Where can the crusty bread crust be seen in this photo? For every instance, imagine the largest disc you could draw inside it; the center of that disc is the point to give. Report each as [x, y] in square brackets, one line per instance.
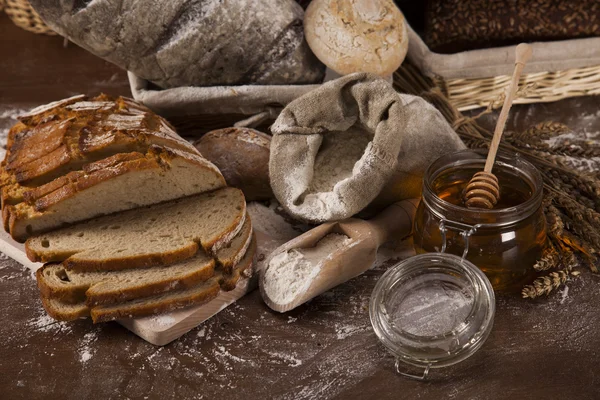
[243, 269]
[226, 262]
[71, 295]
[57, 310]
[81, 130]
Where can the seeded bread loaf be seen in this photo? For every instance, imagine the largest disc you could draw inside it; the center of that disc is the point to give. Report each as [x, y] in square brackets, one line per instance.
[242, 156]
[161, 234]
[193, 296]
[78, 158]
[175, 43]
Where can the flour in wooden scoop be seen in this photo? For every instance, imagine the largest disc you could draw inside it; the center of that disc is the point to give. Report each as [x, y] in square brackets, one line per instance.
[290, 274]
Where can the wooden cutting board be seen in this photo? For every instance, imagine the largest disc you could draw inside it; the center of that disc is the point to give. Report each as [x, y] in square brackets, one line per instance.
[271, 230]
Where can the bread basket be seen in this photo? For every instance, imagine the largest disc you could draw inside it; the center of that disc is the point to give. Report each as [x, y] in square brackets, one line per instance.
[473, 79]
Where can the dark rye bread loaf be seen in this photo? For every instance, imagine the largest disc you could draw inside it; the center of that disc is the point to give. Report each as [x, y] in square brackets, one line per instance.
[175, 43]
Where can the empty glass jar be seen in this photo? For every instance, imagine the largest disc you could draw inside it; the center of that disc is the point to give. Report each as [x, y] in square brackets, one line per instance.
[432, 311]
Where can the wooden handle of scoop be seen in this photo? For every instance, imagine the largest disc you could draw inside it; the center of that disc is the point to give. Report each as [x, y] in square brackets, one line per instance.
[523, 54]
[396, 221]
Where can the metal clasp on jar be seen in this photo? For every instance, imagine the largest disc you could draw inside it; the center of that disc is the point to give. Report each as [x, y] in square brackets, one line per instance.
[465, 230]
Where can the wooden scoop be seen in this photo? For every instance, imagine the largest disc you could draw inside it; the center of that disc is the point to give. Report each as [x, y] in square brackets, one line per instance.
[483, 190]
[344, 263]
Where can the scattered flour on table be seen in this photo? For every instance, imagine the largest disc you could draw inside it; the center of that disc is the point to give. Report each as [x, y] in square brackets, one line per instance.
[291, 361]
[223, 352]
[44, 323]
[291, 273]
[86, 351]
[344, 331]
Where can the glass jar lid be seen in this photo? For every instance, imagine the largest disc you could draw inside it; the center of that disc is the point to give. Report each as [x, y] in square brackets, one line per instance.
[432, 310]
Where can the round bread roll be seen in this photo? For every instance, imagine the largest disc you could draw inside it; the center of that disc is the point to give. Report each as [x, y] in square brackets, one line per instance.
[357, 35]
[242, 155]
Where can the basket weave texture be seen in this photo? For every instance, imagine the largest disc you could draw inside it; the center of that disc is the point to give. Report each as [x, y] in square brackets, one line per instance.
[466, 94]
[24, 16]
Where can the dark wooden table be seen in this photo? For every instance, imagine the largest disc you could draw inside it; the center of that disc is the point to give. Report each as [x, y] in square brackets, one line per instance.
[547, 349]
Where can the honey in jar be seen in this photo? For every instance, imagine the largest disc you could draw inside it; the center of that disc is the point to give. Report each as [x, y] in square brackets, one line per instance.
[504, 242]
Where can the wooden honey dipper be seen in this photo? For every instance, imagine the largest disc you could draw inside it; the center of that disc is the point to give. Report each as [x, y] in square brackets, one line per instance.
[483, 190]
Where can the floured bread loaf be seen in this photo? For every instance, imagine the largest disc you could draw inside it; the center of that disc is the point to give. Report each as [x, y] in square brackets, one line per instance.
[161, 234]
[175, 43]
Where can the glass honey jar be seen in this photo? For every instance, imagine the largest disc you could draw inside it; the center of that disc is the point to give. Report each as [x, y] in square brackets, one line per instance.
[504, 242]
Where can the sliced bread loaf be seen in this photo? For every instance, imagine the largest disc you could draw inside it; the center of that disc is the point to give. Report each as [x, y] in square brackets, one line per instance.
[52, 140]
[161, 234]
[105, 287]
[120, 182]
[193, 296]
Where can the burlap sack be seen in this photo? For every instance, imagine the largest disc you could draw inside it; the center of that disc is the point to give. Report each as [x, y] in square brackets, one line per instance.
[335, 148]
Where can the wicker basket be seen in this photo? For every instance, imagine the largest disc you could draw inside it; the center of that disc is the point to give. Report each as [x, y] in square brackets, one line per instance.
[473, 79]
[24, 16]
[466, 94]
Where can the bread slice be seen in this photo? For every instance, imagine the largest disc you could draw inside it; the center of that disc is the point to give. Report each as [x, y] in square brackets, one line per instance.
[113, 286]
[62, 311]
[120, 182]
[106, 287]
[231, 254]
[161, 234]
[194, 296]
[242, 270]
